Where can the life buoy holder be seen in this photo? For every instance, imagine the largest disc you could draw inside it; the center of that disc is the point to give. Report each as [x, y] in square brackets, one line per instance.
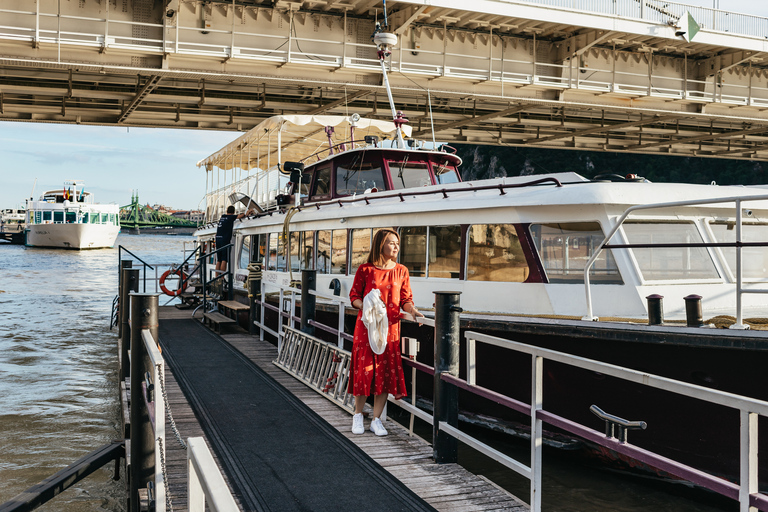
[170, 272]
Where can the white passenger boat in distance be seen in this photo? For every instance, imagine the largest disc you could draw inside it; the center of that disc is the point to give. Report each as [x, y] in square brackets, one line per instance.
[68, 218]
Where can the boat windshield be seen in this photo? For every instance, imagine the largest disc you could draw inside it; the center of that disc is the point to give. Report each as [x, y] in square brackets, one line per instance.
[356, 179]
[409, 174]
[445, 174]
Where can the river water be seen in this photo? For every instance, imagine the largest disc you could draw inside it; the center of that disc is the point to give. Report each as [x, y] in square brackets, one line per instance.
[59, 392]
[58, 365]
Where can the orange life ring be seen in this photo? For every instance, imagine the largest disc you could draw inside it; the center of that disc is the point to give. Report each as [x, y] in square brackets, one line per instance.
[182, 277]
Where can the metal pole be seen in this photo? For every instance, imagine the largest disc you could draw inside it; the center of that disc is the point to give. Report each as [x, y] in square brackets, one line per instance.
[254, 294]
[143, 316]
[446, 396]
[130, 284]
[308, 300]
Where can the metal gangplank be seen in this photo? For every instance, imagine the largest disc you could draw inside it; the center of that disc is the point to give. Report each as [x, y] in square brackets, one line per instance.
[641, 76]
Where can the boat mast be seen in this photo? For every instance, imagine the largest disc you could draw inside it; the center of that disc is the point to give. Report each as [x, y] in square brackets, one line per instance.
[385, 41]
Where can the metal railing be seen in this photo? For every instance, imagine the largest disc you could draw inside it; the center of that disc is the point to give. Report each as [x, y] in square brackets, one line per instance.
[174, 38]
[205, 486]
[749, 409]
[738, 244]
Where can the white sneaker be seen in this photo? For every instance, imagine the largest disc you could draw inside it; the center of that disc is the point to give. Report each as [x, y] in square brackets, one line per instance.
[377, 428]
[357, 424]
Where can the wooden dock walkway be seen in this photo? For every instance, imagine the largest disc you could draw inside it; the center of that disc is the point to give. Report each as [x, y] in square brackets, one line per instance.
[446, 487]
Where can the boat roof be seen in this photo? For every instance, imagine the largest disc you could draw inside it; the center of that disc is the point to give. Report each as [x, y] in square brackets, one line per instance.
[298, 136]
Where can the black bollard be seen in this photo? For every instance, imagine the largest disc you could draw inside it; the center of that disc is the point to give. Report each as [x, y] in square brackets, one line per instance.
[123, 265]
[446, 396]
[693, 314]
[655, 309]
[143, 316]
[308, 300]
[254, 294]
[130, 283]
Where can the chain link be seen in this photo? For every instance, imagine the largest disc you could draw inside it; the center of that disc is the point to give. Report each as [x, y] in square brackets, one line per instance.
[168, 503]
[168, 413]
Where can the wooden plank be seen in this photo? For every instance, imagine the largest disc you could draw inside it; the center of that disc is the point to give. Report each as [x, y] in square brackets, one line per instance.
[234, 305]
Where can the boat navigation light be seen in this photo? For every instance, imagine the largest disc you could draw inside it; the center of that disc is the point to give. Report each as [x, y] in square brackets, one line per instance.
[353, 119]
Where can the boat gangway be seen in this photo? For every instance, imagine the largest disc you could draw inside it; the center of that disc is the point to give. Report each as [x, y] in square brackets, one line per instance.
[216, 372]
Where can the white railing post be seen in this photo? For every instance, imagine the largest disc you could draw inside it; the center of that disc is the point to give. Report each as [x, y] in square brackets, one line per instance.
[537, 399]
[342, 312]
[747, 460]
[471, 363]
[739, 272]
[158, 377]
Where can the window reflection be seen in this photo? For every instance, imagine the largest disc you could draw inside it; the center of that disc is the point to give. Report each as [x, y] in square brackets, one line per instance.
[754, 260]
[495, 254]
[565, 248]
[444, 251]
[407, 175]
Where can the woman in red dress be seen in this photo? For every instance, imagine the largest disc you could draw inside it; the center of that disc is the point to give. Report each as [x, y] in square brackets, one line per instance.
[384, 371]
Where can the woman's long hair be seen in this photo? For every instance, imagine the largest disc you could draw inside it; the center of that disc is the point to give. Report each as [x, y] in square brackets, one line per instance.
[374, 257]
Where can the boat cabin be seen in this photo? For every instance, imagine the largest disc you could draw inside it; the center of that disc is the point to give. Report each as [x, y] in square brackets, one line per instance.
[368, 170]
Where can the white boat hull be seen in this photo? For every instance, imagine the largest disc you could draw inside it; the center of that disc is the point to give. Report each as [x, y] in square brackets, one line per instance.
[72, 236]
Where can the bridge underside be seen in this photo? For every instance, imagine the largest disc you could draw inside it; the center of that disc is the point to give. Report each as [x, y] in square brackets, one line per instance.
[511, 74]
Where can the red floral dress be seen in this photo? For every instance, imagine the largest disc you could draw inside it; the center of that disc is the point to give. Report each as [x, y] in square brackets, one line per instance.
[386, 370]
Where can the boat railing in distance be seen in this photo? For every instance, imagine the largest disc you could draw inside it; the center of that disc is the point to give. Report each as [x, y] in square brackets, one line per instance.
[205, 482]
[307, 358]
[739, 244]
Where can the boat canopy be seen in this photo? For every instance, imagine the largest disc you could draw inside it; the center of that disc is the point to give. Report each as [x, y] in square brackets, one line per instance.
[292, 138]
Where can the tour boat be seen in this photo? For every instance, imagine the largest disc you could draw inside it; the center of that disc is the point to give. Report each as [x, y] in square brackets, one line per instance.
[68, 218]
[537, 259]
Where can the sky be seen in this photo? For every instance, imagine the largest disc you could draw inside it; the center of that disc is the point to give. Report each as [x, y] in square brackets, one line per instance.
[158, 162]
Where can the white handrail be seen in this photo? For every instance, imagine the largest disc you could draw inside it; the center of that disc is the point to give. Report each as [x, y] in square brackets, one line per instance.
[734, 199]
[158, 369]
[203, 485]
[749, 408]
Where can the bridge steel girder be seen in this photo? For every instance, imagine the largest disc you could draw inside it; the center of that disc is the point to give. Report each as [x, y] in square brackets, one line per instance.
[556, 69]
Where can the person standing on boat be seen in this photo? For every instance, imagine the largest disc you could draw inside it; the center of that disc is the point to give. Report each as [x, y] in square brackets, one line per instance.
[224, 236]
[382, 373]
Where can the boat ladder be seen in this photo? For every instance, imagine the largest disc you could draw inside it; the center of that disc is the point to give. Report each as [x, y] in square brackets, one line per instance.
[322, 366]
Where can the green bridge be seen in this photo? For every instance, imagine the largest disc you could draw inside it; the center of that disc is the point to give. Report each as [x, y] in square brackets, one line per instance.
[137, 216]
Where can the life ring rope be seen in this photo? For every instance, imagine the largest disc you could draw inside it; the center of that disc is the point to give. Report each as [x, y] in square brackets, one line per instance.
[182, 279]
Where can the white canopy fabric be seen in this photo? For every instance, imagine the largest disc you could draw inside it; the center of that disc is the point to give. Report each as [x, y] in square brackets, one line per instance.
[292, 138]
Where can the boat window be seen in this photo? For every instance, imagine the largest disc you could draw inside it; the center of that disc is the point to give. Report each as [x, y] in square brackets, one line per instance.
[565, 248]
[94, 218]
[444, 251]
[245, 253]
[258, 248]
[273, 248]
[324, 252]
[104, 218]
[295, 250]
[754, 260]
[322, 182]
[46, 216]
[360, 248]
[359, 178]
[112, 218]
[307, 250]
[495, 254]
[413, 250]
[445, 174]
[71, 217]
[670, 262]
[339, 251]
[58, 217]
[409, 174]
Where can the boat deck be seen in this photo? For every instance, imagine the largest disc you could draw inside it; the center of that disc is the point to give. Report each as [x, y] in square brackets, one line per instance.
[417, 482]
